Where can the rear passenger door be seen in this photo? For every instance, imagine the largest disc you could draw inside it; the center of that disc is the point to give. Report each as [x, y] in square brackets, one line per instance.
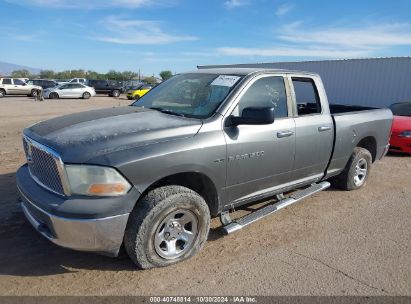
[260, 158]
[20, 87]
[314, 129]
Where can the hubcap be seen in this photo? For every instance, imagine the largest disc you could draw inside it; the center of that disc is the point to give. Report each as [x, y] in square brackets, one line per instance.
[176, 233]
[360, 172]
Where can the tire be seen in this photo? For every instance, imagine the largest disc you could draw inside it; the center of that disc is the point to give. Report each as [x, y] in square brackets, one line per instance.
[162, 218]
[137, 97]
[54, 95]
[356, 172]
[34, 93]
[86, 95]
[2, 93]
[115, 93]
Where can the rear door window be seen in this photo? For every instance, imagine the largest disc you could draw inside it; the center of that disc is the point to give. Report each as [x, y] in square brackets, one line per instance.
[306, 94]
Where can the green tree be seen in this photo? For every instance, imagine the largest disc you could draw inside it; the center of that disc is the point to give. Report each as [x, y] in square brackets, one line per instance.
[21, 74]
[150, 80]
[114, 75]
[129, 75]
[166, 74]
[47, 74]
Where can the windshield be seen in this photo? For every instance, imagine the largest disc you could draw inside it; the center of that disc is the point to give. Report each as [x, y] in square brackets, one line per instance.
[401, 109]
[192, 95]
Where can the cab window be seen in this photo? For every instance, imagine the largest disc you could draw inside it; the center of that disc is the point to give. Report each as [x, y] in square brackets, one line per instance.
[306, 94]
[265, 92]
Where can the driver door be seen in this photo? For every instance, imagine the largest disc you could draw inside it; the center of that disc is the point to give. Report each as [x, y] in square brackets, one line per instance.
[260, 158]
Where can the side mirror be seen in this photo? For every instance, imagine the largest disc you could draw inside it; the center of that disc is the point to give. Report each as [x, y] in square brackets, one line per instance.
[254, 116]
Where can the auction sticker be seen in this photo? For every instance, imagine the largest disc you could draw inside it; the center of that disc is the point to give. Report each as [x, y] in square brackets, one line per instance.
[225, 80]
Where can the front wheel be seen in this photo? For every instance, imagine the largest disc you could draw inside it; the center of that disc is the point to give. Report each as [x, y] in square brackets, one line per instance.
[356, 171]
[54, 95]
[169, 224]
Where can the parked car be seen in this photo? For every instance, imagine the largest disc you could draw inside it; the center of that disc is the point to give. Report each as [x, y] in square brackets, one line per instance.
[61, 81]
[44, 83]
[15, 86]
[78, 80]
[110, 87]
[401, 128]
[69, 90]
[138, 91]
[198, 145]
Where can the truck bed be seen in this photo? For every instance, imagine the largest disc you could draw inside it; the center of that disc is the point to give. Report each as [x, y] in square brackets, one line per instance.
[341, 109]
[358, 126]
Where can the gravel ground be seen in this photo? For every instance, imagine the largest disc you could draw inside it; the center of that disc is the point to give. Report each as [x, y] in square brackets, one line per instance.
[334, 243]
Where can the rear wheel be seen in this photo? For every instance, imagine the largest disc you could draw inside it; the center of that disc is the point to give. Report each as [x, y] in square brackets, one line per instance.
[169, 224]
[54, 95]
[86, 95]
[2, 93]
[34, 93]
[115, 93]
[356, 171]
[137, 97]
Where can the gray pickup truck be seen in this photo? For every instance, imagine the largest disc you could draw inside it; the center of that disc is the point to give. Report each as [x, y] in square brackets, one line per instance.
[152, 174]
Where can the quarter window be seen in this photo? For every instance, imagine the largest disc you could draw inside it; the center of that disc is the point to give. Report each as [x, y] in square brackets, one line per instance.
[6, 81]
[265, 92]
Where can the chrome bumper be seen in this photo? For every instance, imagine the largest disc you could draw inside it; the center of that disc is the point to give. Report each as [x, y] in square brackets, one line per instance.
[102, 235]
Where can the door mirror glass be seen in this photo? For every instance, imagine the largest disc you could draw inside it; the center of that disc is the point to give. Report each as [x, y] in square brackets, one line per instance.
[254, 116]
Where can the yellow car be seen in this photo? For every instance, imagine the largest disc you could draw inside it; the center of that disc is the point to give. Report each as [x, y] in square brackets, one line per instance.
[138, 91]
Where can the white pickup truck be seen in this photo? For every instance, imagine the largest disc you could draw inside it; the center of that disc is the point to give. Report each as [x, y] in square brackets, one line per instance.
[15, 86]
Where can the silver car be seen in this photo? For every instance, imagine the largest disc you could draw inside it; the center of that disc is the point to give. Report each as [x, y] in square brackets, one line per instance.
[70, 90]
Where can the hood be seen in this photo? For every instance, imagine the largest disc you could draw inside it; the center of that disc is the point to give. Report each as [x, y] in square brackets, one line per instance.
[82, 136]
[401, 123]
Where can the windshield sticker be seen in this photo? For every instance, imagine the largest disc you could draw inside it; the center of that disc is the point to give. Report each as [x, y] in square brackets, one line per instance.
[225, 80]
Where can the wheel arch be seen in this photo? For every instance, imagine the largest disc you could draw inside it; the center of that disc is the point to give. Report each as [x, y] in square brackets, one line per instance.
[195, 181]
[369, 143]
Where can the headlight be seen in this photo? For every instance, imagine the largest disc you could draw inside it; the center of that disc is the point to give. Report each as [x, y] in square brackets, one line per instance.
[96, 181]
[406, 133]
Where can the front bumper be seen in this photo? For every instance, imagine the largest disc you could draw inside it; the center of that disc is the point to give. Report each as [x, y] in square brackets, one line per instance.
[400, 144]
[80, 223]
[103, 235]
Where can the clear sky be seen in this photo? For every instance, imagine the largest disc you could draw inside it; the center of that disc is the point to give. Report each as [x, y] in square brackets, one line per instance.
[180, 34]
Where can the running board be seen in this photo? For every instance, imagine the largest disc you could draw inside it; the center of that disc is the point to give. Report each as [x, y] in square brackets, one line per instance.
[270, 209]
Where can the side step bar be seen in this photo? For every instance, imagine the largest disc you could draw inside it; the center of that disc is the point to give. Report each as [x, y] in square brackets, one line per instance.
[270, 209]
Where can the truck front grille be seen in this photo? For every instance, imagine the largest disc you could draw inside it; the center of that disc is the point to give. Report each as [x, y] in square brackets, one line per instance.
[45, 166]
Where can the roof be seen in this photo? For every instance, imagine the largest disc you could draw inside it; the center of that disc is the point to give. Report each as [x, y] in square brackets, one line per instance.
[245, 71]
[306, 61]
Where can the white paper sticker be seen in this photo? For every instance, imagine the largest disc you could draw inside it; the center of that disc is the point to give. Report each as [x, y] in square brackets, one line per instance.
[225, 80]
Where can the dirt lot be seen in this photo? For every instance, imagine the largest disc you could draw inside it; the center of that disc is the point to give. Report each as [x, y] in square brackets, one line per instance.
[335, 243]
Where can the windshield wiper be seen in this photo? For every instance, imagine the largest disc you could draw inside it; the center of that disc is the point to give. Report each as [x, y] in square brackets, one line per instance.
[167, 111]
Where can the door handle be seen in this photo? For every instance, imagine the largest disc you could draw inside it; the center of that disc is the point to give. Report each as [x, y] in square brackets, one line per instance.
[282, 134]
[324, 128]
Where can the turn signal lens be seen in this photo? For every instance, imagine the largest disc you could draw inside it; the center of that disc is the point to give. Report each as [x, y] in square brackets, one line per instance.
[106, 189]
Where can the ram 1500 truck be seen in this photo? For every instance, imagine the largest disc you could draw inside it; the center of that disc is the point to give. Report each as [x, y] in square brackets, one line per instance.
[151, 175]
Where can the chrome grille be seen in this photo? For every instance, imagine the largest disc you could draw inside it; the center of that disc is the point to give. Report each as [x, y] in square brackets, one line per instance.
[44, 165]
